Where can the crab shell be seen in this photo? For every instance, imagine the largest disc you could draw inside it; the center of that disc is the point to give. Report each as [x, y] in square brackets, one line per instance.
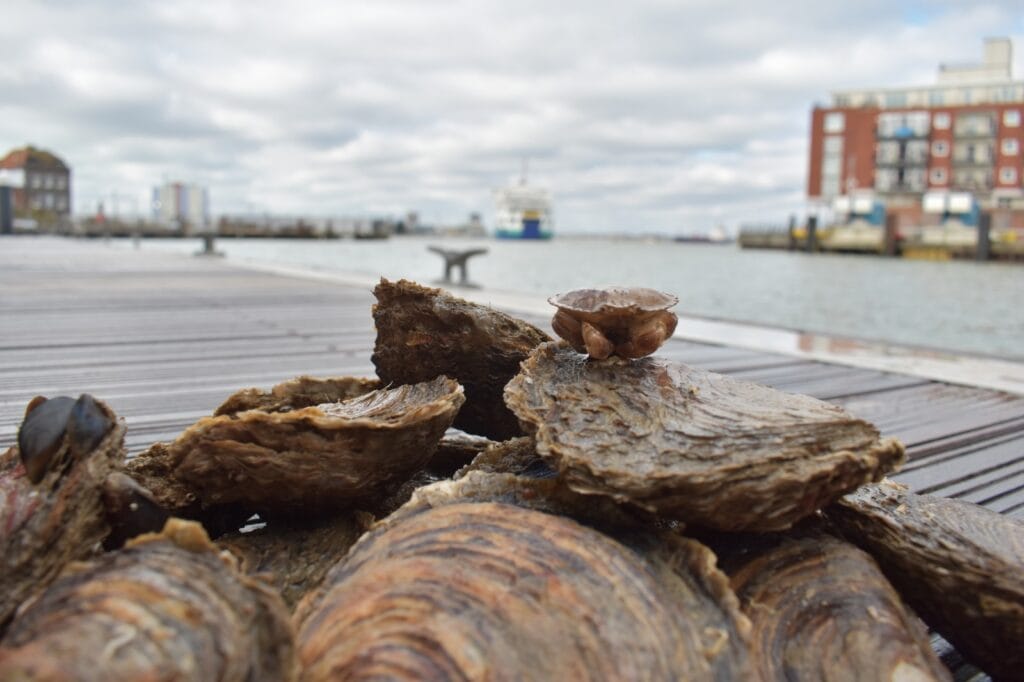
[628, 322]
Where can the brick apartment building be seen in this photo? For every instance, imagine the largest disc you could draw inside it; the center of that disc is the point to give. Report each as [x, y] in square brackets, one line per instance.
[963, 134]
[45, 185]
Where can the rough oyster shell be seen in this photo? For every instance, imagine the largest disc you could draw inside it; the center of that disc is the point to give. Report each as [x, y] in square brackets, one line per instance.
[167, 606]
[312, 460]
[690, 444]
[424, 332]
[821, 609]
[297, 393]
[44, 526]
[495, 591]
[960, 566]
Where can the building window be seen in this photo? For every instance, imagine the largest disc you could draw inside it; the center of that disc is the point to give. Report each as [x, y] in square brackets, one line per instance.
[896, 99]
[37, 181]
[940, 148]
[938, 176]
[1008, 175]
[835, 122]
[834, 144]
[1011, 118]
[1010, 146]
[62, 204]
[903, 124]
[975, 124]
[887, 151]
[941, 121]
[62, 182]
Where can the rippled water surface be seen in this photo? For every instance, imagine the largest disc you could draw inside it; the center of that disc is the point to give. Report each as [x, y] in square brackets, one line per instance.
[962, 306]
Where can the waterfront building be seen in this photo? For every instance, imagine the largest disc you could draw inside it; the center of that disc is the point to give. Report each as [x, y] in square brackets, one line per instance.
[40, 184]
[182, 206]
[965, 133]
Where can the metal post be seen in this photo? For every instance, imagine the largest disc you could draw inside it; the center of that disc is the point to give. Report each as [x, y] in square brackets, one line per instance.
[812, 234]
[6, 210]
[890, 246]
[984, 251]
[791, 244]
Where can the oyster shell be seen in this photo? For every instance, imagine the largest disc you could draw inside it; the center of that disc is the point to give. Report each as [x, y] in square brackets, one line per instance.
[294, 557]
[456, 450]
[960, 566]
[424, 332]
[690, 444]
[629, 322]
[516, 456]
[167, 606]
[315, 459]
[821, 609]
[495, 591]
[297, 393]
[71, 446]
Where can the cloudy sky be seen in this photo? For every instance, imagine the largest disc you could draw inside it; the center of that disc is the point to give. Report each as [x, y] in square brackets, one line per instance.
[649, 115]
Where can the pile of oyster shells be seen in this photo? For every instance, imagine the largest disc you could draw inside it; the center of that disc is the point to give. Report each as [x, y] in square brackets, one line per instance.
[601, 514]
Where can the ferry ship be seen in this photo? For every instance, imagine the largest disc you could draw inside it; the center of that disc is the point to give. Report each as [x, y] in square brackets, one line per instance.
[522, 212]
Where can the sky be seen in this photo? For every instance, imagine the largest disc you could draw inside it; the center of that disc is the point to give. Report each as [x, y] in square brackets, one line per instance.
[641, 116]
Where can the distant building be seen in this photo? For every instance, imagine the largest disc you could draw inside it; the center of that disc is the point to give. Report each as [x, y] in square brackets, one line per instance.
[963, 133]
[187, 207]
[41, 183]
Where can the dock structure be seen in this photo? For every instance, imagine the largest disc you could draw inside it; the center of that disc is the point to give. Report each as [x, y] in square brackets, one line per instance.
[165, 338]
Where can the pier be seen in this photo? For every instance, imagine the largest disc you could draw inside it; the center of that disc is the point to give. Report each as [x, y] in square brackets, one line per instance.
[165, 338]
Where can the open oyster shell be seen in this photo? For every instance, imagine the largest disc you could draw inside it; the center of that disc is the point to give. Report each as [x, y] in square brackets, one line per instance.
[690, 444]
[168, 606]
[959, 565]
[72, 446]
[424, 332]
[294, 394]
[306, 461]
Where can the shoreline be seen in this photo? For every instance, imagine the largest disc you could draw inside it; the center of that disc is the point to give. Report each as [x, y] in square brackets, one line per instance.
[937, 365]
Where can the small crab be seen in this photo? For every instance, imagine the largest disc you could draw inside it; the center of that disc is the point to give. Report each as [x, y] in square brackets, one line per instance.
[628, 322]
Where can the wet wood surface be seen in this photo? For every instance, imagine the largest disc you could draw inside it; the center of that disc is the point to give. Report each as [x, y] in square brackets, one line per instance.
[164, 339]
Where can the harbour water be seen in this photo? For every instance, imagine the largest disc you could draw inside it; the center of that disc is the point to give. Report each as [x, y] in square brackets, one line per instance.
[966, 307]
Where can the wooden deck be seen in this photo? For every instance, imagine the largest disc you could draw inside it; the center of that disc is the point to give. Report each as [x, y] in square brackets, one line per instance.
[164, 339]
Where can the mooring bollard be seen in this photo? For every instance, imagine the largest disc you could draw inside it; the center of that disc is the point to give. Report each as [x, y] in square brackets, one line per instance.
[208, 247]
[456, 259]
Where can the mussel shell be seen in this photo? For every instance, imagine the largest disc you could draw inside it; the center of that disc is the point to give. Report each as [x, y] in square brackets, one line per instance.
[60, 518]
[87, 425]
[495, 591]
[693, 445]
[42, 434]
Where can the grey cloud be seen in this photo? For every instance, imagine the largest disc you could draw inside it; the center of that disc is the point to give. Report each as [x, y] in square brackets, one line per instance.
[656, 115]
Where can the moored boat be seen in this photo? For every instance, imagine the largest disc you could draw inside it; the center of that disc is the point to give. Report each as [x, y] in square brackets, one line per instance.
[522, 212]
